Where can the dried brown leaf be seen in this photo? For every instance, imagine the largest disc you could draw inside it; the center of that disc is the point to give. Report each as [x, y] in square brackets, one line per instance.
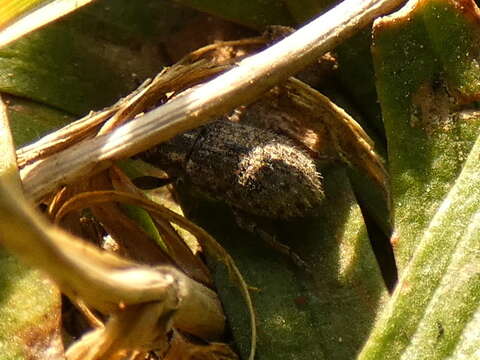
[208, 243]
[177, 249]
[182, 348]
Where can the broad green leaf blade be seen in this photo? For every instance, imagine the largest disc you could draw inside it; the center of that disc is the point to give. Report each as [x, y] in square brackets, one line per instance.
[324, 314]
[89, 59]
[468, 345]
[426, 63]
[30, 310]
[346, 279]
[426, 89]
[30, 121]
[438, 295]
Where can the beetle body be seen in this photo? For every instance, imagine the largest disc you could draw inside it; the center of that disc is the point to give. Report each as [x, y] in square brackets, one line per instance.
[251, 169]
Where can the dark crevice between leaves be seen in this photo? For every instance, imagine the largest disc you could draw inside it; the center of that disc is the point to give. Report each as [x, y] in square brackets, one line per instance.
[382, 248]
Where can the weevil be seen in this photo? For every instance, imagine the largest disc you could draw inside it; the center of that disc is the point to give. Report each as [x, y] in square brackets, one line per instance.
[261, 159]
[253, 170]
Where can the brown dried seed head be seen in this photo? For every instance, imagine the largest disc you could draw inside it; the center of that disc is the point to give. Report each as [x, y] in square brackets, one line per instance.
[251, 169]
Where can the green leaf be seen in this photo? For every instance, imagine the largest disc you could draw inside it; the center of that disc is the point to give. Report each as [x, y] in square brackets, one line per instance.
[302, 315]
[30, 121]
[427, 74]
[426, 85]
[29, 312]
[88, 59]
[429, 315]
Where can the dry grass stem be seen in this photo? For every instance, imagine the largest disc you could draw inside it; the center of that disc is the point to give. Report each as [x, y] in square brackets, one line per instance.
[71, 133]
[241, 85]
[142, 327]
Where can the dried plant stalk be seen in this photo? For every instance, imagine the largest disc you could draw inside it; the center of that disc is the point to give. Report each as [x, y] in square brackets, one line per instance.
[208, 243]
[102, 280]
[241, 85]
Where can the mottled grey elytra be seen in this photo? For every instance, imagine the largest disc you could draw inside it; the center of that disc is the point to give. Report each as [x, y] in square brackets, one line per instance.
[251, 169]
